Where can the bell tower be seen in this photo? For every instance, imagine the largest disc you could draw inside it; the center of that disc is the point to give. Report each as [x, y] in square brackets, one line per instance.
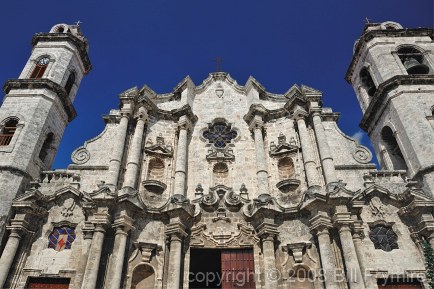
[37, 107]
[392, 73]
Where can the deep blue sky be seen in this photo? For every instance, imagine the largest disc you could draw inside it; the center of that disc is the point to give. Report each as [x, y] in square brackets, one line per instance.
[159, 42]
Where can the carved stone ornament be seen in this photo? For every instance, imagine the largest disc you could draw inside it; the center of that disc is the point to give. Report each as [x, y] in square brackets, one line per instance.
[68, 208]
[221, 194]
[220, 155]
[282, 146]
[362, 155]
[298, 250]
[377, 208]
[223, 234]
[219, 91]
[80, 156]
[160, 148]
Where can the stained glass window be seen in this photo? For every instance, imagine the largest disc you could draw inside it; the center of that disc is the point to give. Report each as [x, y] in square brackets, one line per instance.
[219, 135]
[61, 238]
[383, 238]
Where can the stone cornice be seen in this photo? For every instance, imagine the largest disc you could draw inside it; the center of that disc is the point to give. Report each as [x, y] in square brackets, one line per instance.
[369, 35]
[381, 98]
[43, 83]
[81, 45]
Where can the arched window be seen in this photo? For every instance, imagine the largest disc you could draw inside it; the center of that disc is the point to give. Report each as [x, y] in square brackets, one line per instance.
[367, 81]
[156, 170]
[70, 82]
[413, 60]
[8, 132]
[392, 149]
[40, 68]
[285, 167]
[220, 173]
[46, 146]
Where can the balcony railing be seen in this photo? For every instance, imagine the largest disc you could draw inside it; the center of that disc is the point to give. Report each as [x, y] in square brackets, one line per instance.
[5, 139]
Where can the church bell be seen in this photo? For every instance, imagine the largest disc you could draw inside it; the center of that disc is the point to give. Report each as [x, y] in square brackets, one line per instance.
[415, 67]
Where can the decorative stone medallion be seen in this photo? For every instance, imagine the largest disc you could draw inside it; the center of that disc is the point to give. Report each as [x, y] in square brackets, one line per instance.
[362, 155]
[80, 156]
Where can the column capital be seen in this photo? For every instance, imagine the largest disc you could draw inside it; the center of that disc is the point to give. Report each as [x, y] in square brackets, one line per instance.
[316, 112]
[20, 225]
[256, 123]
[175, 231]
[101, 219]
[299, 114]
[142, 114]
[123, 224]
[342, 220]
[358, 231]
[267, 231]
[320, 224]
[185, 123]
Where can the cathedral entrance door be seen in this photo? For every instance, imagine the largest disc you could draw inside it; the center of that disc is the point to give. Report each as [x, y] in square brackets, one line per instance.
[48, 283]
[221, 269]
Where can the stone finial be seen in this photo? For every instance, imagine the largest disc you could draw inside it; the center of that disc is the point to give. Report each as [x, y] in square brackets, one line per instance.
[199, 191]
[243, 192]
[281, 139]
[160, 139]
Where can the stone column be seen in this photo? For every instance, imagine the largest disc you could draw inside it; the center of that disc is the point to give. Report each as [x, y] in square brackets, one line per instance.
[9, 252]
[184, 125]
[324, 149]
[118, 151]
[101, 220]
[342, 220]
[268, 232]
[320, 225]
[175, 233]
[261, 161]
[123, 225]
[308, 153]
[134, 153]
[370, 281]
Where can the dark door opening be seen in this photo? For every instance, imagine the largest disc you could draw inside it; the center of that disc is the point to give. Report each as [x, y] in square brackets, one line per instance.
[399, 284]
[48, 283]
[221, 269]
[205, 269]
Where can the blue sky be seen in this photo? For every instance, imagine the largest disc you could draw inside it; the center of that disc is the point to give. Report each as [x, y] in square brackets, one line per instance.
[158, 43]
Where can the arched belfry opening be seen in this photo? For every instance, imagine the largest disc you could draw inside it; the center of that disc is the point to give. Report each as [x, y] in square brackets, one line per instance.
[393, 158]
[413, 60]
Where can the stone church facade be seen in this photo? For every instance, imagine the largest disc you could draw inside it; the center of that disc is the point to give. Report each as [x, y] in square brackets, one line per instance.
[220, 185]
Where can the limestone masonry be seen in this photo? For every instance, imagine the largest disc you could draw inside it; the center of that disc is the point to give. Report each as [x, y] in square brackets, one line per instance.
[221, 185]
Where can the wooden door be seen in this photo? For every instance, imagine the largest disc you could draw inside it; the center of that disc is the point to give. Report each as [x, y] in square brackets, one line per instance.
[238, 269]
[48, 283]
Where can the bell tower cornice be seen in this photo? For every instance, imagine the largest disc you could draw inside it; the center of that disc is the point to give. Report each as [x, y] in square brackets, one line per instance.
[80, 44]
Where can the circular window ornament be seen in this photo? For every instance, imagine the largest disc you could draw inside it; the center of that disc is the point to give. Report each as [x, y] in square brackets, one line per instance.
[219, 134]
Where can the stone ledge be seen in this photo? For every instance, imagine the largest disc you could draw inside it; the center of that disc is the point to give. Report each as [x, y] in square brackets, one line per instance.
[43, 83]
[381, 98]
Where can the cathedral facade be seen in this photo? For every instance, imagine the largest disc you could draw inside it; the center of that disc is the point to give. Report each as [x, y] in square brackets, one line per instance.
[221, 185]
